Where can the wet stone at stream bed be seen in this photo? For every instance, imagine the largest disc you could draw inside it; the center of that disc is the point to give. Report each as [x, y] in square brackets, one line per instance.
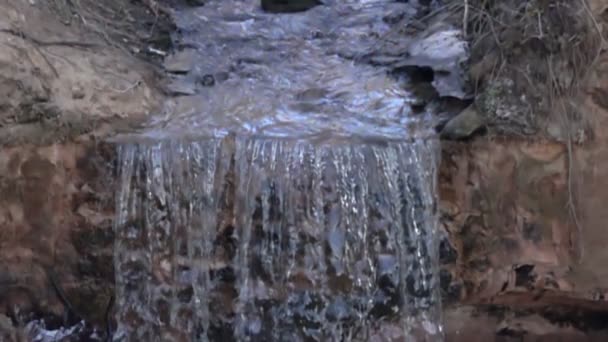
[306, 74]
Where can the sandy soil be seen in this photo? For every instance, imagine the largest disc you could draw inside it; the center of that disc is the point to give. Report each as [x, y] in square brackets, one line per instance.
[68, 71]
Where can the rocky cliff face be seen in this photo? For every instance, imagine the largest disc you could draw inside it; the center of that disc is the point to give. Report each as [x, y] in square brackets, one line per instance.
[522, 257]
[65, 81]
[504, 210]
[60, 80]
[56, 217]
[524, 220]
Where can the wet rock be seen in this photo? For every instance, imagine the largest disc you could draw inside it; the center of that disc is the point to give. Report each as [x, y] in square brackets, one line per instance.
[338, 310]
[288, 6]
[221, 76]
[442, 46]
[312, 94]
[196, 2]
[438, 48]
[181, 62]
[394, 18]
[384, 60]
[452, 84]
[39, 332]
[208, 81]
[7, 330]
[424, 93]
[180, 87]
[388, 332]
[463, 125]
[452, 105]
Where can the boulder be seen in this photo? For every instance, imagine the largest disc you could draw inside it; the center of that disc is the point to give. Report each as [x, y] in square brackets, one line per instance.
[463, 124]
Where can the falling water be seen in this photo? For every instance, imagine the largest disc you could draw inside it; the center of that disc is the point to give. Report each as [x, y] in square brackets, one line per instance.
[292, 198]
[277, 240]
[166, 228]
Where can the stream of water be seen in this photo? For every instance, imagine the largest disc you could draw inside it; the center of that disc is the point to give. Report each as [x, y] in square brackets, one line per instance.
[288, 200]
[280, 239]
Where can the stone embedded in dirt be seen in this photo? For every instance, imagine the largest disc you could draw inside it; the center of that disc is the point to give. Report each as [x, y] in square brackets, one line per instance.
[181, 62]
[543, 152]
[463, 124]
[288, 6]
[483, 68]
[78, 93]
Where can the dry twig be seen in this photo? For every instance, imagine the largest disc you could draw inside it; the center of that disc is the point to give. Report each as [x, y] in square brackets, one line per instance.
[21, 34]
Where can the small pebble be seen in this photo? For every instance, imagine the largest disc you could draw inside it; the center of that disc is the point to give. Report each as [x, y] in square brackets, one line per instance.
[78, 93]
[208, 81]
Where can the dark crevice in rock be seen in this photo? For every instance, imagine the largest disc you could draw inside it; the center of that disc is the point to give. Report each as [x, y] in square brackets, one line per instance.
[288, 6]
[510, 332]
[447, 253]
[532, 232]
[581, 319]
[524, 276]
[415, 73]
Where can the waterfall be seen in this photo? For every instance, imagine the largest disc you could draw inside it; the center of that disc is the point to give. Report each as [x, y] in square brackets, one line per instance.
[304, 214]
[270, 239]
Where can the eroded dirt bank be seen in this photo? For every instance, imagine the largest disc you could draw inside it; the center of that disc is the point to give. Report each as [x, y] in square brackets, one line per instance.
[70, 71]
[524, 252]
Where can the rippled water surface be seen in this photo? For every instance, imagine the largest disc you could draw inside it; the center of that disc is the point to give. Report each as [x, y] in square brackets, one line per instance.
[290, 75]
